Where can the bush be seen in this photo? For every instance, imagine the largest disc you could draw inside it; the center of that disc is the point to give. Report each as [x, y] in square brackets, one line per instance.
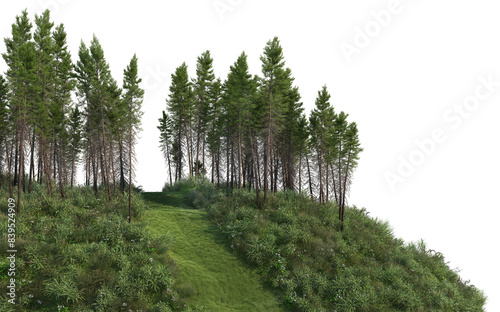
[81, 252]
[297, 245]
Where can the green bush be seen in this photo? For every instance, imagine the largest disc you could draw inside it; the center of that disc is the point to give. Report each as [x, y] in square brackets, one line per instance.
[81, 253]
[298, 246]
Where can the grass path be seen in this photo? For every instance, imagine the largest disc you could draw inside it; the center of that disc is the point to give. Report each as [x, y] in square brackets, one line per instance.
[209, 272]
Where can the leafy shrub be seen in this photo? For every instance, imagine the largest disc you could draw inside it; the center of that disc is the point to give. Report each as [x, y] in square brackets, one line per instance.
[81, 253]
[298, 247]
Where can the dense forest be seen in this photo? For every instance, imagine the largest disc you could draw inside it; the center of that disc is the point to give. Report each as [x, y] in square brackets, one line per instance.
[246, 131]
[56, 114]
[251, 132]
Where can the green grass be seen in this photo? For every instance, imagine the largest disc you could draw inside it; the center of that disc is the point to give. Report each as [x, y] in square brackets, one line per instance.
[210, 274]
[300, 250]
[81, 254]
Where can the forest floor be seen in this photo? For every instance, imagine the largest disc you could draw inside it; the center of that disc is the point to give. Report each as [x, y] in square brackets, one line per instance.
[211, 275]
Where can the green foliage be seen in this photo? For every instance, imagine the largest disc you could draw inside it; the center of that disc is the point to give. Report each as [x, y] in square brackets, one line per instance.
[81, 253]
[210, 276]
[299, 248]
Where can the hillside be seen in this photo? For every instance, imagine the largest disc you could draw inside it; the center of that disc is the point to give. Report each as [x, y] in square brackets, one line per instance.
[210, 275]
[299, 250]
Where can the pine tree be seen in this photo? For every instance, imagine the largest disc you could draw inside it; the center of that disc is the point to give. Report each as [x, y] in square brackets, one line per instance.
[133, 97]
[320, 122]
[75, 140]
[290, 137]
[166, 141]
[21, 61]
[4, 124]
[100, 81]
[202, 89]
[83, 74]
[64, 85]
[214, 132]
[276, 81]
[114, 112]
[180, 105]
[240, 96]
[44, 117]
[345, 148]
[301, 136]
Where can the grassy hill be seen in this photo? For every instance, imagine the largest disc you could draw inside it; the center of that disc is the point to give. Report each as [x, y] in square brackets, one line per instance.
[194, 248]
[210, 275]
[79, 253]
[299, 249]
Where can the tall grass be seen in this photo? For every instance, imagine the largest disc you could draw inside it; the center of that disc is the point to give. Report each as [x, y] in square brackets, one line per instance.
[299, 249]
[81, 254]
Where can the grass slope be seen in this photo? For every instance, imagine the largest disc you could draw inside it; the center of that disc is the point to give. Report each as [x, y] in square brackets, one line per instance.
[301, 251]
[210, 274]
[81, 254]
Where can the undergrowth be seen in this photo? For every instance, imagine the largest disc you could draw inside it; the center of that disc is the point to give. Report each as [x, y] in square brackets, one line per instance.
[299, 249]
[81, 254]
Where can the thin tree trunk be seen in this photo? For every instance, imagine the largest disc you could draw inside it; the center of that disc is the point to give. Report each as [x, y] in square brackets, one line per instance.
[72, 165]
[16, 159]
[345, 187]
[218, 167]
[32, 161]
[197, 149]
[188, 150]
[326, 181]
[94, 165]
[267, 153]
[240, 159]
[300, 173]
[61, 189]
[203, 153]
[130, 171]
[213, 166]
[227, 157]
[21, 157]
[111, 160]
[169, 165]
[321, 194]
[309, 174]
[334, 186]
[9, 163]
[255, 165]
[120, 158]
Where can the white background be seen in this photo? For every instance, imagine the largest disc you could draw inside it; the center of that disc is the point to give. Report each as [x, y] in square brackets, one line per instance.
[401, 84]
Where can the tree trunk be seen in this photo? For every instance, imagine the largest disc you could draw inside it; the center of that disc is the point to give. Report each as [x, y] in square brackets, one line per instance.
[309, 174]
[255, 165]
[130, 172]
[32, 161]
[188, 149]
[122, 165]
[300, 173]
[72, 165]
[240, 159]
[21, 158]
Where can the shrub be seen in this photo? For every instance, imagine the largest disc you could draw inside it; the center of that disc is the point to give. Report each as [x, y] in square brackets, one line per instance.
[297, 245]
[81, 252]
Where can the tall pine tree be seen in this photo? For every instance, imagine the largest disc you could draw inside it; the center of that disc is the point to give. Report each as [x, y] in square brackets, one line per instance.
[21, 61]
[133, 97]
[180, 105]
[275, 82]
